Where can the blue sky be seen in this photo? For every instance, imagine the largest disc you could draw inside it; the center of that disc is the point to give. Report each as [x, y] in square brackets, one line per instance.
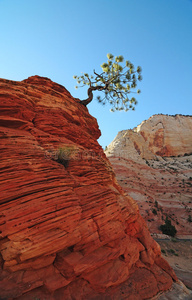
[61, 38]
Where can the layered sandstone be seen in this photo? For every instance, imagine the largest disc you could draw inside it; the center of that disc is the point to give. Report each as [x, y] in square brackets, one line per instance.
[153, 164]
[67, 229]
[160, 135]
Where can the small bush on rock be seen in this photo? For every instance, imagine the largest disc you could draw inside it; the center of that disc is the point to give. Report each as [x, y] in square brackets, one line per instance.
[64, 154]
[168, 228]
[154, 211]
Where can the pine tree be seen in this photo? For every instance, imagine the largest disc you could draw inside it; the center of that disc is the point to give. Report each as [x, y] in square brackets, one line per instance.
[116, 82]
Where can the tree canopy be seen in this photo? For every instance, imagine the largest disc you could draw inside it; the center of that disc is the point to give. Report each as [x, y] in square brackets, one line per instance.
[117, 81]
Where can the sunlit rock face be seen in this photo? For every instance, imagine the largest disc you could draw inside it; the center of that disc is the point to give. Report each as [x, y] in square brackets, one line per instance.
[67, 229]
[160, 135]
[153, 164]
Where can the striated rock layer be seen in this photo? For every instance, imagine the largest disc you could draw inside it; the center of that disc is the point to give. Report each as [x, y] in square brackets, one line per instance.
[67, 229]
[153, 164]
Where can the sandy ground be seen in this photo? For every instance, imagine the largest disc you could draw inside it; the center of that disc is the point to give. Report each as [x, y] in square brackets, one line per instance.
[178, 253]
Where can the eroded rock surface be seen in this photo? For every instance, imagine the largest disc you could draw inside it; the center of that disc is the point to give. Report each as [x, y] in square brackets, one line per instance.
[153, 164]
[160, 135]
[67, 229]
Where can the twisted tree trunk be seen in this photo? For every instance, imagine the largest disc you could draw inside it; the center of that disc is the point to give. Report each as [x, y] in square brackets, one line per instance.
[90, 94]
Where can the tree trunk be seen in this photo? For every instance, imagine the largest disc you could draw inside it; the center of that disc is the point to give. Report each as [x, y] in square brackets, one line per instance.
[90, 94]
[90, 97]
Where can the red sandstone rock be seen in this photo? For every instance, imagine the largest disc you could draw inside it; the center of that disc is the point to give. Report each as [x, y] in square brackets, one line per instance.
[66, 231]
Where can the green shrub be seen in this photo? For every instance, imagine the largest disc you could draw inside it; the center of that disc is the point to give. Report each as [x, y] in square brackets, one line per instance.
[64, 155]
[154, 211]
[156, 204]
[171, 251]
[174, 240]
[168, 228]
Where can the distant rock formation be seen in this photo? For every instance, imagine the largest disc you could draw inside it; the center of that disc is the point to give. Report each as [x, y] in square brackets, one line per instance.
[153, 164]
[67, 229]
[160, 135]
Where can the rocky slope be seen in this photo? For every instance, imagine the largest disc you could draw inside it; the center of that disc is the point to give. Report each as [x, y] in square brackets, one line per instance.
[153, 164]
[67, 229]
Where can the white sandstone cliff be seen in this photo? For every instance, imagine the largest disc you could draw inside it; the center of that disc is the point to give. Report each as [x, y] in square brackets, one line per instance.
[153, 164]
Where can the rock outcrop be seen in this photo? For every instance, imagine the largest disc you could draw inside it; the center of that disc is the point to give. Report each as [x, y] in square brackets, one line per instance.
[160, 135]
[153, 164]
[67, 229]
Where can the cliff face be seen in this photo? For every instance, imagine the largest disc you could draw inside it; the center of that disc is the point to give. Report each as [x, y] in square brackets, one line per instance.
[67, 230]
[160, 135]
[153, 164]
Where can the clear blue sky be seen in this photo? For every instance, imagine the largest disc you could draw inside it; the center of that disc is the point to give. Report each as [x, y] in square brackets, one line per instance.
[62, 38]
